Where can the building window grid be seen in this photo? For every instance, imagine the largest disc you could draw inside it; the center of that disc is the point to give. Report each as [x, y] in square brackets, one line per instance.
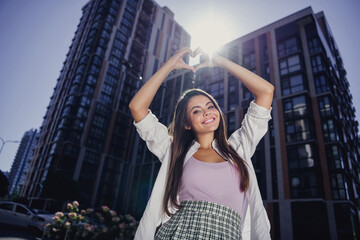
[217, 91]
[318, 64]
[298, 130]
[330, 132]
[290, 65]
[231, 123]
[305, 175]
[339, 186]
[249, 60]
[295, 107]
[288, 46]
[334, 157]
[292, 84]
[314, 46]
[321, 83]
[326, 107]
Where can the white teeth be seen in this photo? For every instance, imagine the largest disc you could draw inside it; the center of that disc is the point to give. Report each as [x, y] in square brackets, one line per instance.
[210, 120]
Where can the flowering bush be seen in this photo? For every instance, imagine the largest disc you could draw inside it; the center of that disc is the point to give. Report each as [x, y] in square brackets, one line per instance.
[89, 224]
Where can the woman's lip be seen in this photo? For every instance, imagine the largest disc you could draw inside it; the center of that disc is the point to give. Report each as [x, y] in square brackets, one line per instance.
[208, 121]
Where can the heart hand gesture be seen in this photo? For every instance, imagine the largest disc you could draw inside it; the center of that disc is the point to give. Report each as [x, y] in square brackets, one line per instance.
[212, 60]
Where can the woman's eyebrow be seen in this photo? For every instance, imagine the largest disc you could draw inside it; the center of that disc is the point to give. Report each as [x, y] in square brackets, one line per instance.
[199, 106]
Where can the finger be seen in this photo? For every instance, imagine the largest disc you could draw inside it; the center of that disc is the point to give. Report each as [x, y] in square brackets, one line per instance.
[198, 51]
[186, 66]
[190, 68]
[202, 65]
[184, 50]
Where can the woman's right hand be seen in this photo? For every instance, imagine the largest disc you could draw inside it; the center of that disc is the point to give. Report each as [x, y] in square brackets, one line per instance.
[177, 62]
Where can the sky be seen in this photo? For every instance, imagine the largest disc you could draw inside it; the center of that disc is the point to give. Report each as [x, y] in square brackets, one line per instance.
[35, 37]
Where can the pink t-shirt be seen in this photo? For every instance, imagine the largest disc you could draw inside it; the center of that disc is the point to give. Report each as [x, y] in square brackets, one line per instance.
[213, 182]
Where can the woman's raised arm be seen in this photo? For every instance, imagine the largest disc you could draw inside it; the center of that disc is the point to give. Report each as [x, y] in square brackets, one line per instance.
[262, 89]
[140, 103]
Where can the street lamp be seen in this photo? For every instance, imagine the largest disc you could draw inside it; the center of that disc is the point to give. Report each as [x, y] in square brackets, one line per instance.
[3, 142]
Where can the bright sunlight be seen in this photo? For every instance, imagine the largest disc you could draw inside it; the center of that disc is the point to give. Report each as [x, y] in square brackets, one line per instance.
[210, 32]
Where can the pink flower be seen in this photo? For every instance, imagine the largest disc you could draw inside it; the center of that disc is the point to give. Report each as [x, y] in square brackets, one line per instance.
[69, 206]
[59, 214]
[105, 208]
[75, 204]
[56, 218]
[72, 215]
[113, 213]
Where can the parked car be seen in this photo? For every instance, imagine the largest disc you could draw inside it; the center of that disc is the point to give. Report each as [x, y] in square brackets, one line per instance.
[17, 214]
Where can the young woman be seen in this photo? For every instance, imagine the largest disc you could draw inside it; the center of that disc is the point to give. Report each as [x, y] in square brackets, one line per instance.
[206, 182]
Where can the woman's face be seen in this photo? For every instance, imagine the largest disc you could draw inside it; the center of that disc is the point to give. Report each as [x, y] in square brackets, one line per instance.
[202, 115]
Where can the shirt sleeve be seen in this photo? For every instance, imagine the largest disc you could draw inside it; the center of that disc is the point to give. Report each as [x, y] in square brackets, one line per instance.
[155, 134]
[253, 128]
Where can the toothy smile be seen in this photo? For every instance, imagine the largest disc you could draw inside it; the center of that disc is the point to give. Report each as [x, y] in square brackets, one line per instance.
[209, 121]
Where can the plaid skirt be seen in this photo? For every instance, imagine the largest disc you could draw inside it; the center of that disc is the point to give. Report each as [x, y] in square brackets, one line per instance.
[201, 220]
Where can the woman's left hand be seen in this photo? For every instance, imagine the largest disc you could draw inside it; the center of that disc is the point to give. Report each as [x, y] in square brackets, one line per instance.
[211, 60]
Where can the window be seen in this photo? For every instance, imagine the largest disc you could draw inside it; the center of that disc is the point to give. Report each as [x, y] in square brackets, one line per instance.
[339, 186]
[304, 170]
[70, 100]
[109, 90]
[156, 41]
[317, 64]
[287, 47]
[82, 112]
[321, 84]
[113, 71]
[217, 89]
[110, 80]
[325, 106]
[299, 130]
[295, 107]
[314, 46]
[233, 93]
[267, 71]
[301, 156]
[91, 80]
[329, 131]
[22, 210]
[7, 206]
[247, 94]
[250, 60]
[292, 84]
[289, 65]
[305, 184]
[85, 102]
[114, 61]
[99, 121]
[334, 157]
[231, 123]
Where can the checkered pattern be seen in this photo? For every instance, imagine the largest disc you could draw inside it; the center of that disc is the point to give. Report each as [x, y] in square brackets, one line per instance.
[201, 220]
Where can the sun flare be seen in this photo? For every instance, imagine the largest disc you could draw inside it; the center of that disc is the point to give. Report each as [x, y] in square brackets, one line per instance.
[210, 32]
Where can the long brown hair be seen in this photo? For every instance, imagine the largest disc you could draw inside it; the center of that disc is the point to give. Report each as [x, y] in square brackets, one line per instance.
[182, 141]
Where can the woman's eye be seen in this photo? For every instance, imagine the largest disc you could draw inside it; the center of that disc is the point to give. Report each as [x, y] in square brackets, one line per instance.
[210, 107]
[196, 111]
